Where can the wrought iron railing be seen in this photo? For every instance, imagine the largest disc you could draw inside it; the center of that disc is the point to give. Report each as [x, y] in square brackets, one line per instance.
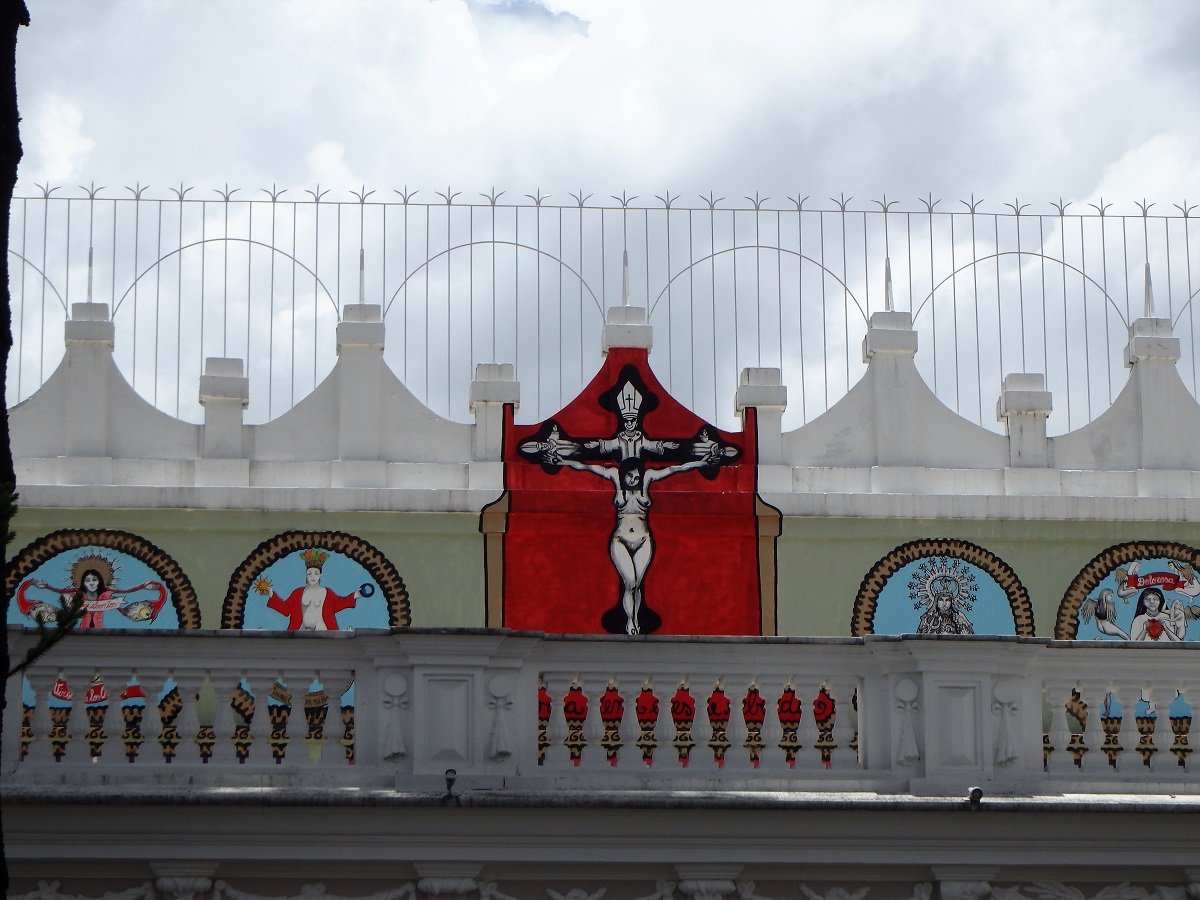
[729, 283]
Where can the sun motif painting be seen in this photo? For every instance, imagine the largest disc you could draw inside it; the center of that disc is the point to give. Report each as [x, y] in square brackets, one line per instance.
[315, 581]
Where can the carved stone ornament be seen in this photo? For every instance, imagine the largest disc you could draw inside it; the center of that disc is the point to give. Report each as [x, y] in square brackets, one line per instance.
[183, 887]
[1056, 890]
[964, 890]
[49, 890]
[835, 893]
[663, 890]
[223, 890]
[707, 888]
[575, 894]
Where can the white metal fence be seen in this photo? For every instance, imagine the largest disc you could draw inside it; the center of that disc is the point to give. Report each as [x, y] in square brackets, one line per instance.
[735, 282]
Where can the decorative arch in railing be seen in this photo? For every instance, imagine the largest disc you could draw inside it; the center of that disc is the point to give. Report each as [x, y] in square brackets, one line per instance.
[769, 314]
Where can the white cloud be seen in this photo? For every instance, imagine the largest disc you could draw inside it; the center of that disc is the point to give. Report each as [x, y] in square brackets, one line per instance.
[56, 146]
[1164, 169]
[327, 166]
[1000, 98]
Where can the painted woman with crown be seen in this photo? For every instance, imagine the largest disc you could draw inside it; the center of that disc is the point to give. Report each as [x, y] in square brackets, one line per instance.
[313, 607]
[94, 592]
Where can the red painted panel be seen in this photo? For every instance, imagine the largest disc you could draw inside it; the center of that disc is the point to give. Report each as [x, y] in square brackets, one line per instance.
[698, 501]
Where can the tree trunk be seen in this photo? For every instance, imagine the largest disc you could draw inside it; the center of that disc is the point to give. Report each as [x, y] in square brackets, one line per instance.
[13, 14]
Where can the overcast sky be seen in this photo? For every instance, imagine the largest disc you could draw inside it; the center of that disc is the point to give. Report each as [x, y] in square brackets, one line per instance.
[1035, 100]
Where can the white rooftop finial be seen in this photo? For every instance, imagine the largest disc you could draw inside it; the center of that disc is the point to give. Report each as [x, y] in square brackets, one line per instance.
[887, 284]
[624, 277]
[1149, 294]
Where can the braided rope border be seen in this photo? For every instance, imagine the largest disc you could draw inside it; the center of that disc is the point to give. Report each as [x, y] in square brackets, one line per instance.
[862, 620]
[1066, 627]
[233, 609]
[42, 550]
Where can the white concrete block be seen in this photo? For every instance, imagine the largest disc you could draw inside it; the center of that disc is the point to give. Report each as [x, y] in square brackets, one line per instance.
[222, 472]
[1032, 482]
[358, 473]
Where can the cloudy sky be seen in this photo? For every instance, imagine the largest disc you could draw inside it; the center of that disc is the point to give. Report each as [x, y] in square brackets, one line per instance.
[1000, 99]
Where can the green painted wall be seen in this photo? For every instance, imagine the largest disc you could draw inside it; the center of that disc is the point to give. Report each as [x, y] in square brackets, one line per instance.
[439, 555]
[821, 561]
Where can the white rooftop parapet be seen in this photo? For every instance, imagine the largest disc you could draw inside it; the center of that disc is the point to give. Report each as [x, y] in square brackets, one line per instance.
[493, 387]
[89, 335]
[224, 394]
[762, 390]
[891, 333]
[1024, 406]
[359, 408]
[626, 326]
[1168, 441]
[89, 323]
[891, 422]
[1151, 339]
[361, 326]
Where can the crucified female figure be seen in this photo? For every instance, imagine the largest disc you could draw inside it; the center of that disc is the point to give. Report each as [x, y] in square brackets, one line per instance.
[631, 546]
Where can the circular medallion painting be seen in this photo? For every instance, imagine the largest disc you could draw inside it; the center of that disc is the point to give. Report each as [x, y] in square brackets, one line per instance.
[111, 578]
[1137, 591]
[941, 586]
[315, 581]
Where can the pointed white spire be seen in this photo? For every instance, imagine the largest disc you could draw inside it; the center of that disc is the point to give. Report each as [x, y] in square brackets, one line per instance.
[1149, 313]
[888, 304]
[624, 277]
[362, 275]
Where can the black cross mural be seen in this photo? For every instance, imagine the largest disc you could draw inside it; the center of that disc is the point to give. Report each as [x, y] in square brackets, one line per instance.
[631, 546]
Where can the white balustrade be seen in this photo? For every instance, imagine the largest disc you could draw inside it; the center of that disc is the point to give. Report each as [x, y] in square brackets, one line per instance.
[881, 714]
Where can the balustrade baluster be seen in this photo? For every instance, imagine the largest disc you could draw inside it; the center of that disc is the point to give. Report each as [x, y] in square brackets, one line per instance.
[754, 716]
[701, 729]
[105, 722]
[70, 745]
[1163, 762]
[313, 706]
[593, 727]
[771, 757]
[557, 756]
[737, 758]
[649, 714]
[222, 727]
[682, 715]
[328, 718]
[719, 715]
[189, 717]
[612, 709]
[808, 756]
[1139, 728]
[790, 712]
[1184, 726]
[279, 711]
[1060, 762]
[1094, 762]
[257, 732]
[845, 760]
[1120, 732]
[40, 749]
